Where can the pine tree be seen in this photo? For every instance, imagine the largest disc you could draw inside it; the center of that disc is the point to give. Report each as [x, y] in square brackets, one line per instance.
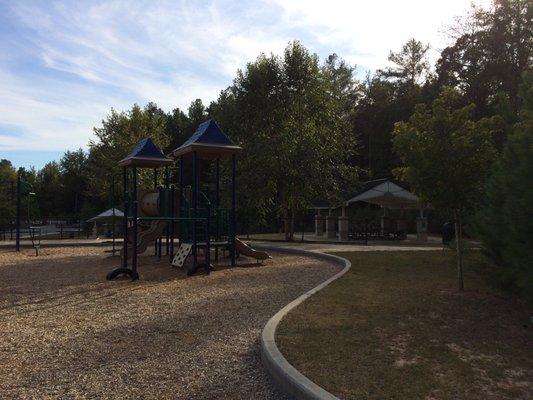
[506, 223]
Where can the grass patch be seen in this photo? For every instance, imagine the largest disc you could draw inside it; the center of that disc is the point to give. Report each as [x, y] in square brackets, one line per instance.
[395, 327]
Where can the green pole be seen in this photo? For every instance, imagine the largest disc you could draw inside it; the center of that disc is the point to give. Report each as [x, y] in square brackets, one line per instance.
[134, 215]
[113, 211]
[233, 208]
[17, 238]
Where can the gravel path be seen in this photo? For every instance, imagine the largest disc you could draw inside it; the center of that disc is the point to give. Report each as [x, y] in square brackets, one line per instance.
[67, 333]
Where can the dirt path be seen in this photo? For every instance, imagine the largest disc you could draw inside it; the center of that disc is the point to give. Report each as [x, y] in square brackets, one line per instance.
[67, 333]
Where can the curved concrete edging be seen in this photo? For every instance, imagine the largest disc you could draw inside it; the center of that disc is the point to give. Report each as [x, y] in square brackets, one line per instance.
[287, 378]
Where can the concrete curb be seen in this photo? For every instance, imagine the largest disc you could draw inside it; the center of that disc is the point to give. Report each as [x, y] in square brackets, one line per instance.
[287, 378]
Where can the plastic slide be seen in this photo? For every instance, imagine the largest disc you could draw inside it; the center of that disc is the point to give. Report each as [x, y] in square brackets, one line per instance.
[245, 250]
[146, 237]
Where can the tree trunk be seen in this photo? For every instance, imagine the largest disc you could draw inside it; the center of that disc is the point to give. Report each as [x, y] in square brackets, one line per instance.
[292, 226]
[459, 250]
[286, 228]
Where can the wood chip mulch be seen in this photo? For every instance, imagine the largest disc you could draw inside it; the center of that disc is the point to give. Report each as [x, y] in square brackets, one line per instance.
[67, 333]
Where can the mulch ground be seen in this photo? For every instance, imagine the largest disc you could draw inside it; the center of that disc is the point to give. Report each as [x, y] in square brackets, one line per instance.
[67, 333]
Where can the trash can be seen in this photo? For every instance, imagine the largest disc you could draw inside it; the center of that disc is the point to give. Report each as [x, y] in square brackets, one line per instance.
[448, 232]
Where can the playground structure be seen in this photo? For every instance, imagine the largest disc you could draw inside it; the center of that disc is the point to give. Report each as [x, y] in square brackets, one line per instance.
[196, 218]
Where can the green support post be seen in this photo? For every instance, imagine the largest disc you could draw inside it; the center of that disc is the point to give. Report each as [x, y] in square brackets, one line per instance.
[17, 237]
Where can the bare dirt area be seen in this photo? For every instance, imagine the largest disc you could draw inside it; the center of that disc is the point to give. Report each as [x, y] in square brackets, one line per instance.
[68, 333]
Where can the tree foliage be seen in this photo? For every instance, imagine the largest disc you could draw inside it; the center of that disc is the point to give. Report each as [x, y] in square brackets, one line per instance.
[506, 223]
[8, 178]
[491, 50]
[292, 117]
[411, 63]
[446, 157]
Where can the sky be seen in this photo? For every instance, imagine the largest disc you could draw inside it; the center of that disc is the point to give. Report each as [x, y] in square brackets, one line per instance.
[65, 64]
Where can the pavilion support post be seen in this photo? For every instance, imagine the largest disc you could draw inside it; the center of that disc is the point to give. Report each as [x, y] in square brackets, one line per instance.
[319, 223]
[331, 220]
[383, 221]
[343, 225]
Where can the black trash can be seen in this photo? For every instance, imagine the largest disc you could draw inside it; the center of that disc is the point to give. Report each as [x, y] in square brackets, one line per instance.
[448, 232]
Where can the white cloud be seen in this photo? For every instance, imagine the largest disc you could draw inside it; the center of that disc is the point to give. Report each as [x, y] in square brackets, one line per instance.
[79, 59]
[49, 116]
[116, 53]
[364, 32]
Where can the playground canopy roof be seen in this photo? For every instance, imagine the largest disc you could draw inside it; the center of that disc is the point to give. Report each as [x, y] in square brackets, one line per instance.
[387, 194]
[145, 154]
[107, 215]
[208, 142]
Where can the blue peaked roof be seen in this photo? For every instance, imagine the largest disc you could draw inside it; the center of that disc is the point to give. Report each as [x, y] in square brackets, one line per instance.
[209, 132]
[146, 152]
[208, 135]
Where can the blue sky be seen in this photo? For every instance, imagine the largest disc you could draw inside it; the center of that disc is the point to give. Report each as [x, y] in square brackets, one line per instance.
[64, 64]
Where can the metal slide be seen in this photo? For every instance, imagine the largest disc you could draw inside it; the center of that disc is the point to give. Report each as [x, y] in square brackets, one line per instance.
[245, 250]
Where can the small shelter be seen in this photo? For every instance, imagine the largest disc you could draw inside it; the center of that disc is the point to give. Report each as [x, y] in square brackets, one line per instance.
[386, 193]
[107, 214]
[106, 221]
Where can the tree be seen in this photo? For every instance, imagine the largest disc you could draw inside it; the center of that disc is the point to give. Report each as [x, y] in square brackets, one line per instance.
[196, 113]
[490, 51]
[74, 176]
[411, 62]
[117, 136]
[446, 158]
[50, 189]
[8, 182]
[291, 115]
[506, 223]
[177, 129]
